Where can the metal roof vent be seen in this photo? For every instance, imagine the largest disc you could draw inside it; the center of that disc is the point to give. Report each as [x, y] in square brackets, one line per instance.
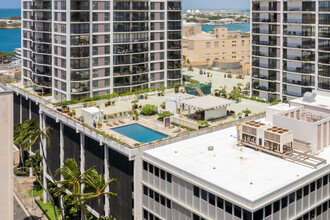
[309, 97]
[210, 148]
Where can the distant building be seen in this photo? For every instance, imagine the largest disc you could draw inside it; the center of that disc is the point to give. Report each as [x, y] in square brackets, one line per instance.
[290, 48]
[220, 46]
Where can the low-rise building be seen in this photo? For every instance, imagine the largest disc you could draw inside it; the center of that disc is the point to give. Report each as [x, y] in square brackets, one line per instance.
[255, 171]
[220, 46]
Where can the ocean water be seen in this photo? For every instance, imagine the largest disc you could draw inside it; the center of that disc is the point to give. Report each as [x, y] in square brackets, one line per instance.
[10, 39]
[6, 13]
[244, 27]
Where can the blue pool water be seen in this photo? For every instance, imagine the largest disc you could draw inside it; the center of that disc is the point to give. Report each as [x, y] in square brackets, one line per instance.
[140, 133]
[243, 27]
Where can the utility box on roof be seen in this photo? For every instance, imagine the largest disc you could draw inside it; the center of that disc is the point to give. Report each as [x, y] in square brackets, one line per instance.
[196, 89]
[92, 115]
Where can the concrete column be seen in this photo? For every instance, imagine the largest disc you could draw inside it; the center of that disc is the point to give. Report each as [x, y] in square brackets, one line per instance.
[189, 111]
[61, 147]
[137, 164]
[61, 156]
[82, 154]
[20, 110]
[43, 126]
[106, 178]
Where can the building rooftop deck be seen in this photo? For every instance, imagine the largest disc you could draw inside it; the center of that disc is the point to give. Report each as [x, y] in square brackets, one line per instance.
[248, 176]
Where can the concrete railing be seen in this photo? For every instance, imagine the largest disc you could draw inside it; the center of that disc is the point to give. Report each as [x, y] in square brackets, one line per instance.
[200, 132]
[185, 123]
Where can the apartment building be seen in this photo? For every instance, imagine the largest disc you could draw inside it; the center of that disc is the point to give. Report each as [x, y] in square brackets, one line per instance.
[268, 169]
[78, 49]
[220, 46]
[290, 48]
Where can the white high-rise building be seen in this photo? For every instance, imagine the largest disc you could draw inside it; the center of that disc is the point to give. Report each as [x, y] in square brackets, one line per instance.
[290, 51]
[77, 49]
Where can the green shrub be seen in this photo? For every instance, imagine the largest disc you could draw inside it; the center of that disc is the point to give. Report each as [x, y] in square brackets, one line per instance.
[276, 102]
[181, 126]
[18, 172]
[203, 124]
[149, 110]
[164, 115]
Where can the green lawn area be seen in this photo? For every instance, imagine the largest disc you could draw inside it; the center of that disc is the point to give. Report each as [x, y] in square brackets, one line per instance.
[48, 209]
[36, 192]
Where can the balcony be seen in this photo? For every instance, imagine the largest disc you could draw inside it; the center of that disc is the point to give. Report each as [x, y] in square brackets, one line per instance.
[140, 6]
[299, 70]
[306, 58]
[298, 82]
[80, 5]
[299, 33]
[265, 20]
[267, 43]
[268, 77]
[268, 54]
[264, 88]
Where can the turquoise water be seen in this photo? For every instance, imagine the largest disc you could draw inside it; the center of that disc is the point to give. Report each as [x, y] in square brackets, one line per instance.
[6, 13]
[140, 133]
[244, 27]
[10, 39]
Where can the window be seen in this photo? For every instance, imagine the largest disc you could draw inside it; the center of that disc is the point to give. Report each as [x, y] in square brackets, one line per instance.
[151, 168]
[268, 210]
[229, 207]
[291, 198]
[196, 191]
[151, 193]
[312, 186]
[319, 183]
[145, 190]
[325, 180]
[258, 215]
[162, 174]
[299, 194]
[204, 194]
[211, 199]
[208, 44]
[247, 215]
[162, 200]
[306, 190]
[157, 171]
[169, 178]
[219, 203]
[156, 197]
[276, 206]
[237, 211]
[284, 202]
[319, 210]
[145, 166]
[216, 44]
[168, 203]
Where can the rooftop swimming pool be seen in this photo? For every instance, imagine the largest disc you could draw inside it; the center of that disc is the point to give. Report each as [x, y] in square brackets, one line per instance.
[139, 133]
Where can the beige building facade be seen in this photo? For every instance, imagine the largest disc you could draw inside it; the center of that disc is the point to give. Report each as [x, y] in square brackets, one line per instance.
[222, 46]
[6, 152]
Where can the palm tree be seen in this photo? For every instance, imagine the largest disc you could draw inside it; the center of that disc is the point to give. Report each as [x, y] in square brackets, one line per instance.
[184, 60]
[74, 195]
[34, 162]
[96, 185]
[25, 136]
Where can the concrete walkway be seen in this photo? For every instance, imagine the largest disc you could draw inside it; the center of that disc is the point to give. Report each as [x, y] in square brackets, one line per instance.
[21, 188]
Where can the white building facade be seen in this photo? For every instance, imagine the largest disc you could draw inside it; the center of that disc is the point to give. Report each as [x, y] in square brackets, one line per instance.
[290, 48]
[79, 49]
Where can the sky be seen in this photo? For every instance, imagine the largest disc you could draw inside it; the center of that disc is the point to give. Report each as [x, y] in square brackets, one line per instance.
[187, 4]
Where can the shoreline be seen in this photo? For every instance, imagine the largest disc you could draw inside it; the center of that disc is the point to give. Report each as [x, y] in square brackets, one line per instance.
[8, 27]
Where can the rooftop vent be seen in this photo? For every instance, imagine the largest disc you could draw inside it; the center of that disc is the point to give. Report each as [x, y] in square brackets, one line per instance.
[309, 97]
[210, 148]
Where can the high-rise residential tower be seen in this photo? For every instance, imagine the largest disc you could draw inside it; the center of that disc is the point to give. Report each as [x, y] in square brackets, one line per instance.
[77, 49]
[290, 51]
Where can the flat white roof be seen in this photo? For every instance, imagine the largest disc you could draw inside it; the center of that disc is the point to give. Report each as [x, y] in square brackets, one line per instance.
[248, 177]
[281, 107]
[207, 102]
[92, 110]
[321, 101]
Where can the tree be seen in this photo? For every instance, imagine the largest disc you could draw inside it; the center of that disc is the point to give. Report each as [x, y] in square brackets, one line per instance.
[3, 24]
[223, 90]
[34, 162]
[25, 136]
[149, 110]
[74, 195]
